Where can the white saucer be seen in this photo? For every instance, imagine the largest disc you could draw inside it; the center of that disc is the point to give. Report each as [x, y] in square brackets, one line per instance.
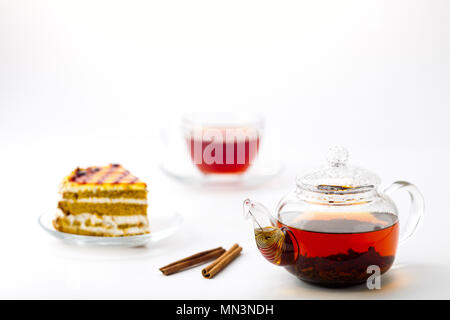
[186, 172]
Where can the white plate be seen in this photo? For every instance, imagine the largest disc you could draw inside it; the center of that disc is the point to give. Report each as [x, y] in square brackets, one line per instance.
[161, 227]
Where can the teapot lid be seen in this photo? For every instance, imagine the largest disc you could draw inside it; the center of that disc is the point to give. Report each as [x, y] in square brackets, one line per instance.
[337, 176]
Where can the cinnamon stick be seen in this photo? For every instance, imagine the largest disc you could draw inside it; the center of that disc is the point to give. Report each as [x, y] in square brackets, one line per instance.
[192, 261]
[220, 263]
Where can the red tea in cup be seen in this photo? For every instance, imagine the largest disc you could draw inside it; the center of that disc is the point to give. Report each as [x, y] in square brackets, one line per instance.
[218, 156]
[222, 149]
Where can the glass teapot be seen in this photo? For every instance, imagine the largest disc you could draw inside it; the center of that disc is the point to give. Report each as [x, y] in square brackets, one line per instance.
[336, 228]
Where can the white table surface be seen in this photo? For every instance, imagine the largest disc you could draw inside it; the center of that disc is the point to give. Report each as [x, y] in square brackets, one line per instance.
[35, 265]
[94, 82]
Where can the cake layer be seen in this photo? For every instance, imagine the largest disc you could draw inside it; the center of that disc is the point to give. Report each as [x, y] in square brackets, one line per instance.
[105, 193]
[103, 208]
[105, 225]
[106, 200]
[67, 186]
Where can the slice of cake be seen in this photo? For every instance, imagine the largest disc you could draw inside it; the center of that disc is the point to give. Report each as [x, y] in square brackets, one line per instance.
[102, 201]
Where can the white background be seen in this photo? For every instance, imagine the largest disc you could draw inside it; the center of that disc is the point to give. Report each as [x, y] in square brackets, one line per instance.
[94, 82]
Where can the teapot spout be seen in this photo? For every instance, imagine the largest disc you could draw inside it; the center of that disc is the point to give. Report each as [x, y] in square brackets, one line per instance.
[278, 245]
[258, 214]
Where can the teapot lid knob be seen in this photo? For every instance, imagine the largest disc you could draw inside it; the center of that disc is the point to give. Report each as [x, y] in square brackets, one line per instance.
[337, 156]
[338, 176]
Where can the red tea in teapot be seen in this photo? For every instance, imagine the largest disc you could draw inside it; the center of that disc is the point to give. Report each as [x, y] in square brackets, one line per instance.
[335, 249]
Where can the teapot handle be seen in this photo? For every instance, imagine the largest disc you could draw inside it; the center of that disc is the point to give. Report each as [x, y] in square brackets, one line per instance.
[417, 207]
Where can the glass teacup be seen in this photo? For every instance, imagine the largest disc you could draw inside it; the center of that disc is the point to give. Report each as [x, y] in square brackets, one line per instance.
[223, 143]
